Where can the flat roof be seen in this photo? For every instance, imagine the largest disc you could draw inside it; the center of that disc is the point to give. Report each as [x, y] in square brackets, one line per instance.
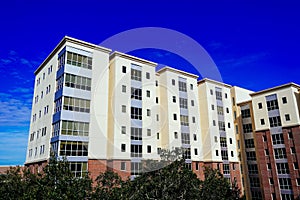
[276, 88]
[133, 58]
[166, 68]
[214, 82]
[71, 40]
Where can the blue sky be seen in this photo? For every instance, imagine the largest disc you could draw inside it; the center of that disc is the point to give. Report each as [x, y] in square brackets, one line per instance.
[254, 44]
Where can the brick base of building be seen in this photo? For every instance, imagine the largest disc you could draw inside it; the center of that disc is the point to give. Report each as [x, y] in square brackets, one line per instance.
[37, 167]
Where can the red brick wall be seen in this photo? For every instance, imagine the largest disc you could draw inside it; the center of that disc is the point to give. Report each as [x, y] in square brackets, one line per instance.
[96, 167]
[262, 161]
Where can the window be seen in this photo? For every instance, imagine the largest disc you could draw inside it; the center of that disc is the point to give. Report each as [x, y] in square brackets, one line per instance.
[282, 168]
[224, 154]
[158, 150]
[196, 152]
[218, 95]
[221, 125]
[183, 103]
[136, 150]
[73, 148]
[251, 155]
[185, 138]
[148, 132]
[287, 117]
[280, 153]
[259, 105]
[287, 196]
[214, 122]
[174, 99]
[272, 105]
[298, 181]
[76, 104]
[42, 94]
[148, 112]
[136, 133]
[269, 167]
[230, 140]
[157, 136]
[148, 93]
[173, 81]
[184, 120]
[136, 168]
[233, 100]
[123, 147]
[157, 117]
[136, 75]
[147, 75]
[226, 169]
[216, 139]
[136, 93]
[229, 125]
[174, 117]
[249, 143]
[262, 121]
[71, 128]
[220, 110]
[123, 109]
[231, 154]
[296, 165]
[227, 110]
[234, 113]
[293, 150]
[175, 135]
[290, 133]
[123, 166]
[74, 81]
[156, 99]
[193, 119]
[271, 181]
[124, 88]
[223, 141]
[285, 183]
[284, 100]
[246, 113]
[277, 139]
[186, 153]
[211, 92]
[213, 107]
[197, 166]
[182, 86]
[266, 152]
[79, 60]
[191, 86]
[236, 129]
[252, 169]
[264, 138]
[123, 130]
[44, 130]
[148, 149]
[123, 69]
[247, 128]
[275, 121]
[254, 182]
[195, 137]
[136, 113]
[192, 103]
[217, 153]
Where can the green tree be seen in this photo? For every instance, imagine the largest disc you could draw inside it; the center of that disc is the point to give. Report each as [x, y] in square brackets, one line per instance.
[11, 184]
[215, 186]
[58, 182]
[109, 186]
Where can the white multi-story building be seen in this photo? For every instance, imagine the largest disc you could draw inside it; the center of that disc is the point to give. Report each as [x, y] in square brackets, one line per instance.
[105, 110]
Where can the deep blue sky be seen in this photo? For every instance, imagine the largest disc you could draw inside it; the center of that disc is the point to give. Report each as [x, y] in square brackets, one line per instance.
[254, 44]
